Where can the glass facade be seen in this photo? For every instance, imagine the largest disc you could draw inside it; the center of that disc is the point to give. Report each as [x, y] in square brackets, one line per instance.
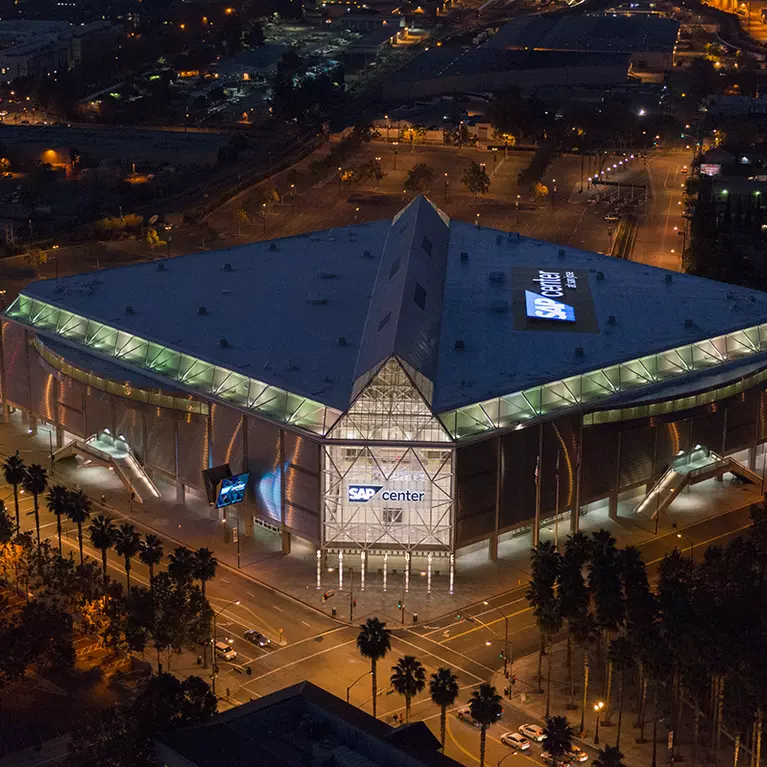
[549, 399]
[386, 498]
[187, 371]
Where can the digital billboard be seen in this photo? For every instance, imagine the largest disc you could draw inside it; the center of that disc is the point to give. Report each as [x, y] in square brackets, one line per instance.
[549, 299]
[232, 490]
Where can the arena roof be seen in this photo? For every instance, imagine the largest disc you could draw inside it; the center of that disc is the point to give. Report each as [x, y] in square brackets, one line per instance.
[313, 314]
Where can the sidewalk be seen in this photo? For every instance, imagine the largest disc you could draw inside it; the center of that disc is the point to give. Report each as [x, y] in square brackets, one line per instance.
[476, 578]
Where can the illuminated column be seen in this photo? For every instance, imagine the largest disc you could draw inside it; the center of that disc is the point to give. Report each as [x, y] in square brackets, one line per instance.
[452, 571]
[319, 569]
[340, 571]
[407, 571]
[428, 573]
[362, 570]
[386, 562]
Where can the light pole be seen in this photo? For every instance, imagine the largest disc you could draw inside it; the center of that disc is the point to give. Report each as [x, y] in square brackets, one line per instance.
[504, 758]
[507, 660]
[692, 545]
[214, 673]
[349, 688]
[445, 186]
[396, 145]
[598, 710]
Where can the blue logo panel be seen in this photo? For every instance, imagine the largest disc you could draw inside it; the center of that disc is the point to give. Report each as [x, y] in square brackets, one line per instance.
[362, 493]
[543, 308]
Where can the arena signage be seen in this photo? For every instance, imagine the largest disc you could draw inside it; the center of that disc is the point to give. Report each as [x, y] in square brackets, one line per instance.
[552, 299]
[364, 493]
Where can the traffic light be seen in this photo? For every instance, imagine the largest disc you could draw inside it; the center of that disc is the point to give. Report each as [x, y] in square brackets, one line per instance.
[500, 654]
[399, 604]
[513, 678]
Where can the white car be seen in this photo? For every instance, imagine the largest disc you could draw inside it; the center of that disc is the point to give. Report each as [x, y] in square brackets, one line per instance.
[515, 740]
[464, 714]
[576, 754]
[533, 731]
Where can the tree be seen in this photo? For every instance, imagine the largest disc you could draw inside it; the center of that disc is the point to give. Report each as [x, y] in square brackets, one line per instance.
[443, 688]
[48, 629]
[475, 179]
[150, 553]
[57, 501]
[542, 596]
[408, 679]
[14, 471]
[373, 642]
[78, 511]
[103, 536]
[204, 568]
[621, 655]
[485, 705]
[254, 37]
[418, 178]
[609, 756]
[181, 564]
[583, 629]
[127, 543]
[559, 737]
[35, 482]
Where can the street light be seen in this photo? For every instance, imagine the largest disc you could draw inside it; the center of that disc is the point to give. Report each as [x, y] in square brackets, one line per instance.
[215, 628]
[692, 545]
[598, 709]
[507, 661]
[514, 752]
[349, 688]
[445, 186]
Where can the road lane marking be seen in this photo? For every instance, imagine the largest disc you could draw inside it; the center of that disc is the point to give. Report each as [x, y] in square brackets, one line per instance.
[301, 660]
[444, 660]
[306, 624]
[486, 624]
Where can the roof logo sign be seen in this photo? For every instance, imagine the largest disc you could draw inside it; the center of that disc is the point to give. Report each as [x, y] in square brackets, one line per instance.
[544, 308]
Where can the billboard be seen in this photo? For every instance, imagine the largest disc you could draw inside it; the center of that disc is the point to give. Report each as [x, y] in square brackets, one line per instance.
[549, 299]
[232, 490]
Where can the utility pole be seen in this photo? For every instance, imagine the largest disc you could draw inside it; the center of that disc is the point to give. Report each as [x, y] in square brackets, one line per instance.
[351, 594]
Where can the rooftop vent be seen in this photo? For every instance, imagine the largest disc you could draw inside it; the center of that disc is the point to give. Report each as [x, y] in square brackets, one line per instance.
[459, 345]
[315, 298]
[497, 277]
[500, 305]
[600, 275]
[562, 253]
[669, 279]
[129, 310]
[290, 365]
[228, 268]
[272, 246]
[327, 275]
[611, 320]
[223, 343]
[688, 324]
[161, 267]
[579, 351]
[341, 341]
[464, 256]
[201, 311]
[367, 254]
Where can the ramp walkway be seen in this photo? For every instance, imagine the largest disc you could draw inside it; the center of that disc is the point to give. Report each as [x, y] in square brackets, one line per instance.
[114, 452]
[690, 468]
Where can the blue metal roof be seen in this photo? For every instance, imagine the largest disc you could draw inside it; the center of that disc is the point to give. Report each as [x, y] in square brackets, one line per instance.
[312, 314]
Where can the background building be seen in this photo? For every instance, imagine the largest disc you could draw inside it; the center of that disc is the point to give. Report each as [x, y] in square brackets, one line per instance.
[400, 388]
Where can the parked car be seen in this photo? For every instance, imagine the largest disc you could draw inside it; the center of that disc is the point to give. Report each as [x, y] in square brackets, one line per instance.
[533, 731]
[515, 740]
[464, 714]
[257, 638]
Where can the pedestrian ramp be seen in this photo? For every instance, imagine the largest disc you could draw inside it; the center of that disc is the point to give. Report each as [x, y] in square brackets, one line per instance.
[688, 469]
[114, 452]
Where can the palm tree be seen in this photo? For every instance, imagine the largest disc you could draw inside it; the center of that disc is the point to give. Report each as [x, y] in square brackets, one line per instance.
[621, 655]
[103, 534]
[584, 632]
[559, 737]
[35, 481]
[14, 472]
[205, 566]
[542, 595]
[78, 511]
[609, 756]
[127, 542]
[150, 553]
[373, 642]
[443, 688]
[408, 678]
[485, 705]
[181, 564]
[57, 501]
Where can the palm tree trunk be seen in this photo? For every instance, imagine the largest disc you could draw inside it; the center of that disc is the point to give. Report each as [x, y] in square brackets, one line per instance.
[608, 694]
[620, 709]
[16, 505]
[151, 576]
[104, 563]
[58, 532]
[719, 707]
[80, 539]
[127, 573]
[642, 709]
[585, 688]
[375, 689]
[443, 726]
[570, 685]
[541, 650]
[759, 727]
[695, 735]
[736, 752]
[482, 744]
[714, 709]
[407, 709]
[37, 516]
[548, 679]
